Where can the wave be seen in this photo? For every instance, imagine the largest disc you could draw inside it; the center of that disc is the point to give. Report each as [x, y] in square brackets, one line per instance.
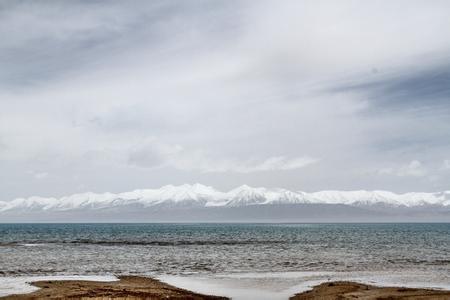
[149, 243]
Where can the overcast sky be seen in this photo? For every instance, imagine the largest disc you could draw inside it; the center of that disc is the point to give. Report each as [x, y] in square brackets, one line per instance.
[307, 95]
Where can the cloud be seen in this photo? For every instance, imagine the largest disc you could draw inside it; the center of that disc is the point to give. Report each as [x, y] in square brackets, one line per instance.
[421, 88]
[156, 154]
[38, 175]
[446, 165]
[41, 175]
[192, 92]
[413, 169]
[276, 163]
[208, 165]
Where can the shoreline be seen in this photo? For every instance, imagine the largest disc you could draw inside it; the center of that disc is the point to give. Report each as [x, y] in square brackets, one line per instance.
[139, 287]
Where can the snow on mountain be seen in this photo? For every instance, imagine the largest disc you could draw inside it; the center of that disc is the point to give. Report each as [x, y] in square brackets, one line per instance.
[355, 197]
[361, 198]
[197, 195]
[245, 195]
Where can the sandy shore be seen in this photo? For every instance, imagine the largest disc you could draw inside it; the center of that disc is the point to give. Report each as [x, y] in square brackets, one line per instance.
[127, 288]
[351, 290]
[134, 287]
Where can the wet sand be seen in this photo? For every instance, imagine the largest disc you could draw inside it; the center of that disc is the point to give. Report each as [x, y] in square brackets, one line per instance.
[127, 288]
[352, 290]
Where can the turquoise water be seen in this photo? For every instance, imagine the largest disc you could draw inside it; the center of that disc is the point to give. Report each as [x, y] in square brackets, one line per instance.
[99, 249]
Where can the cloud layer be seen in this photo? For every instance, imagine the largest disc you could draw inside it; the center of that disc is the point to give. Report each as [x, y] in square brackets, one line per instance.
[308, 95]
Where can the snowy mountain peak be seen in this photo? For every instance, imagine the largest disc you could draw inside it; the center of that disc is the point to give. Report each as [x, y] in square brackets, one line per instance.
[198, 195]
[246, 195]
[245, 189]
[194, 188]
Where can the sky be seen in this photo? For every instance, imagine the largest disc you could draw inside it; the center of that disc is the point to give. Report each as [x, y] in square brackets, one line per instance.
[306, 95]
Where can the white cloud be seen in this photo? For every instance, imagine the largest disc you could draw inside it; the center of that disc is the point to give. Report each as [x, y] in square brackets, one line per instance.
[413, 169]
[279, 163]
[446, 165]
[156, 154]
[208, 165]
[41, 175]
[38, 175]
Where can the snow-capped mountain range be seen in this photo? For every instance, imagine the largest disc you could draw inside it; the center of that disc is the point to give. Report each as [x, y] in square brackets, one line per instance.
[201, 196]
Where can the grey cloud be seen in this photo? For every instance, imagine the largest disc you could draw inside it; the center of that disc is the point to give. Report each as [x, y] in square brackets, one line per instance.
[412, 89]
[45, 41]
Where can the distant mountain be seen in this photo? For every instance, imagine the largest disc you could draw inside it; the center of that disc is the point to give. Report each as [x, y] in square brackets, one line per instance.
[199, 197]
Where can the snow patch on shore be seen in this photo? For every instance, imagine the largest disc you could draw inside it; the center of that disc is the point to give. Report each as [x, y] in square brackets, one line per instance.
[281, 286]
[21, 284]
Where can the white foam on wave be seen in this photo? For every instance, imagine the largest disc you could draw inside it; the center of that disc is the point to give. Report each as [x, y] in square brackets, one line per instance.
[21, 284]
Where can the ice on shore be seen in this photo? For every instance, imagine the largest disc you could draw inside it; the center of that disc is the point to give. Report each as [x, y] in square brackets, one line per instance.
[280, 286]
[21, 284]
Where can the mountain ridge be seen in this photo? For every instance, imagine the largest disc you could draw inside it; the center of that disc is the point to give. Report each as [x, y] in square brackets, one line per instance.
[202, 196]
